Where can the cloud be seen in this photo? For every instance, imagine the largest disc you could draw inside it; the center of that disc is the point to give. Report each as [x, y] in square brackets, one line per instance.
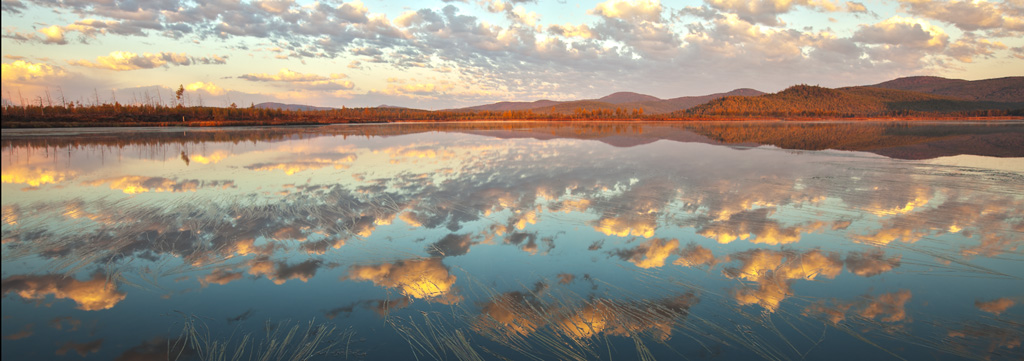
[155, 349]
[82, 349]
[967, 48]
[21, 71]
[25, 332]
[281, 272]
[299, 80]
[220, 277]
[338, 161]
[767, 11]
[995, 306]
[522, 313]
[871, 263]
[97, 293]
[903, 32]
[208, 88]
[775, 271]
[125, 60]
[970, 15]
[651, 254]
[645, 10]
[694, 256]
[12, 6]
[992, 338]
[142, 184]
[425, 278]
[451, 245]
[756, 223]
[33, 176]
[891, 306]
[571, 31]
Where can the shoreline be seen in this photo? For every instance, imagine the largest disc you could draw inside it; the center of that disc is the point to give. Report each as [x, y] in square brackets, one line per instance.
[44, 124]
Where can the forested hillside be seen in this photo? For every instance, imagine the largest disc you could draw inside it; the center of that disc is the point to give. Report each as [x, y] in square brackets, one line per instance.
[815, 101]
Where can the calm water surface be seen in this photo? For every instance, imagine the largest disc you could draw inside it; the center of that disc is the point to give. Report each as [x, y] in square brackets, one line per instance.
[523, 241]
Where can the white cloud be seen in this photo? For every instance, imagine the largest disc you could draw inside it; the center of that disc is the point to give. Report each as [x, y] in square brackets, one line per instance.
[126, 60]
[649, 10]
[767, 11]
[903, 32]
[1007, 16]
[335, 81]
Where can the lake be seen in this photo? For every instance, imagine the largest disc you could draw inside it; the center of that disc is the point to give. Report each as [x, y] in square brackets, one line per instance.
[518, 241]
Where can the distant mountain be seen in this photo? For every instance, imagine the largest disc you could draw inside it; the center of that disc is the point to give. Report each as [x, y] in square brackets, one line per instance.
[621, 101]
[503, 106]
[272, 105]
[1009, 89]
[627, 97]
[815, 101]
[683, 103]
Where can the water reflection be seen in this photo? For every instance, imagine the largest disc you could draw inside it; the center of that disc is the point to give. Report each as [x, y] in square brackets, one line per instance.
[524, 240]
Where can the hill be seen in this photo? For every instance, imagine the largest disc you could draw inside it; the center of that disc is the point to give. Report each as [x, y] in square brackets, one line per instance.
[627, 97]
[621, 101]
[683, 103]
[1008, 89]
[815, 101]
[283, 106]
[503, 106]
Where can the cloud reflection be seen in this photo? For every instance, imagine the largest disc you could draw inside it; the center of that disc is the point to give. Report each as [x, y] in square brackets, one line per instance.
[775, 271]
[141, 184]
[425, 278]
[996, 306]
[97, 293]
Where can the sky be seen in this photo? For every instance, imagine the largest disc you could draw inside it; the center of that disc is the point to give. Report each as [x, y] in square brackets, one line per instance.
[448, 53]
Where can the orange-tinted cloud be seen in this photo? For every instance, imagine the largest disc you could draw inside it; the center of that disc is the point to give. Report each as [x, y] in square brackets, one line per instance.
[995, 306]
[756, 223]
[835, 312]
[889, 305]
[650, 254]
[83, 349]
[32, 176]
[522, 313]
[996, 341]
[220, 277]
[73, 323]
[425, 278]
[341, 161]
[280, 272]
[98, 293]
[871, 263]
[774, 271]
[694, 256]
[25, 331]
[642, 225]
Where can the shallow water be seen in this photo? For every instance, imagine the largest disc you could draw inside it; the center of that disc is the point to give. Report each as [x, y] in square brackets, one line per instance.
[527, 241]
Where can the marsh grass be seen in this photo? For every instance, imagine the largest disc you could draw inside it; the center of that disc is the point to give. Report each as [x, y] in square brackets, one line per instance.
[280, 342]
